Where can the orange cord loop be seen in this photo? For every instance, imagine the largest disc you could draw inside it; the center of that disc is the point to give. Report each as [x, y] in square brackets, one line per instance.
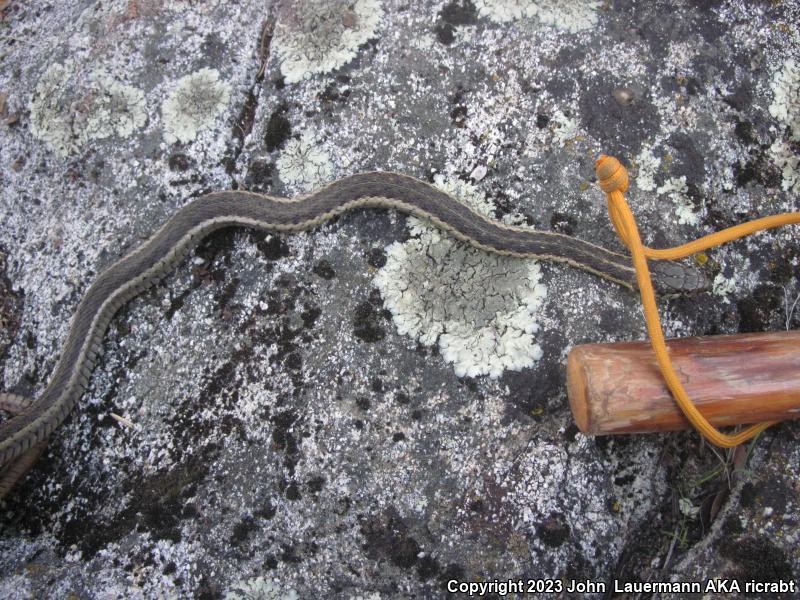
[613, 180]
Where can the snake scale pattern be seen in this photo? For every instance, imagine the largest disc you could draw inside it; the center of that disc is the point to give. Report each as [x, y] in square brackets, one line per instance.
[24, 435]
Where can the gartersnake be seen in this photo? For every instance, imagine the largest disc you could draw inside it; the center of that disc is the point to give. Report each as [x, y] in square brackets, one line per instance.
[23, 436]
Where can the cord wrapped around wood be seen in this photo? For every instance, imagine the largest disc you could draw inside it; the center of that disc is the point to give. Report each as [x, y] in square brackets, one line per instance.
[733, 379]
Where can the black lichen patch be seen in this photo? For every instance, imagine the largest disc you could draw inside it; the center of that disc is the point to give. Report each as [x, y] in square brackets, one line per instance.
[292, 492]
[323, 269]
[178, 161]
[176, 302]
[732, 525]
[191, 429]
[388, 537]
[758, 168]
[216, 244]
[278, 130]
[554, 530]
[376, 257]
[687, 160]
[542, 121]
[457, 13]
[427, 567]
[335, 93]
[748, 495]
[368, 323]
[458, 112]
[563, 223]
[757, 312]
[293, 361]
[454, 14]
[157, 506]
[452, 571]
[259, 176]
[315, 484]
[445, 33]
[224, 298]
[743, 130]
[284, 437]
[773, 492]
[273, 247]
[658, 25]
[785, 265]
[10, 308]
[758, 558]
[266, 511]
[310, 316]
[741, 98]
[242, 530]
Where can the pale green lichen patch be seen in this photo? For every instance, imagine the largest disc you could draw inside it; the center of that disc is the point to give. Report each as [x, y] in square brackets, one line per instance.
[67, 116]
[304, 163]
[788, 162]
[785, 108]
[647, 167]
[319, 36]
[786, 103]
[259, 588]
[676, 190]
[194, 104]
[478, 307]
[561, 14]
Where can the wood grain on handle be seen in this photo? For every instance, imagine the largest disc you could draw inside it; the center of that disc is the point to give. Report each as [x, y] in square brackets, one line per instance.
[732, 379]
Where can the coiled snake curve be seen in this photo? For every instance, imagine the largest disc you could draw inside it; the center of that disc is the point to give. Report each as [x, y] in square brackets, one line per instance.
[23, 436]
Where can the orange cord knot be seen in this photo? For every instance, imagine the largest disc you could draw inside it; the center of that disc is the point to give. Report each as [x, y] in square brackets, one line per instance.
[613, 180]
[611, 175]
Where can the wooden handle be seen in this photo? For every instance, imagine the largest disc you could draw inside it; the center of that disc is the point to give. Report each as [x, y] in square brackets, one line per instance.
[733, 379]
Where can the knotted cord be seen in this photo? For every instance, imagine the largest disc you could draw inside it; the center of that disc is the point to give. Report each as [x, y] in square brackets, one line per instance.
[613, 180]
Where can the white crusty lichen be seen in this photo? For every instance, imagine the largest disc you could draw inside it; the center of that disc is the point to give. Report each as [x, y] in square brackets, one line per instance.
[478, 307]
[723, 286]
[788, 162]
[304, 163]
[565, 129]
[67, 113]
[676, 189]
[116, 109]
[647, 164]
[786, 100]
[566, 15]
[259, 589]
[318, 36]
[785, 108]
[193, 105]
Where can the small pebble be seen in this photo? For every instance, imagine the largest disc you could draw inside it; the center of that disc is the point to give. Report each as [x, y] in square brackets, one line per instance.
[478, 173]
[623, 95]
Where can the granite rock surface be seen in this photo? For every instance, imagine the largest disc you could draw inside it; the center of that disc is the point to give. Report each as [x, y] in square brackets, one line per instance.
[369, 409]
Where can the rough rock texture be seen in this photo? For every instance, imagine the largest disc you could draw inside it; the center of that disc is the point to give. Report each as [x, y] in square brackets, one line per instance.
[287, 440]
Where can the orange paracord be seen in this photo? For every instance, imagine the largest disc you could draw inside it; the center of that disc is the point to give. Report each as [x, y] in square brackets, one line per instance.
[613, 180]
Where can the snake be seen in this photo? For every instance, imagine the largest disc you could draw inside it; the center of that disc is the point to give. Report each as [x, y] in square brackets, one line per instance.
[24, 435]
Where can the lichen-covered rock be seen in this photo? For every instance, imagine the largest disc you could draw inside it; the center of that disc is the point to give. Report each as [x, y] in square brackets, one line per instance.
[68, 112]
[193, 105]
[481, 309]
[371, 409]
[318, 36]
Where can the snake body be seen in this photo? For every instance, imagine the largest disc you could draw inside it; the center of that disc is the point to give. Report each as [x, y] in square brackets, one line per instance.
[23, 436]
